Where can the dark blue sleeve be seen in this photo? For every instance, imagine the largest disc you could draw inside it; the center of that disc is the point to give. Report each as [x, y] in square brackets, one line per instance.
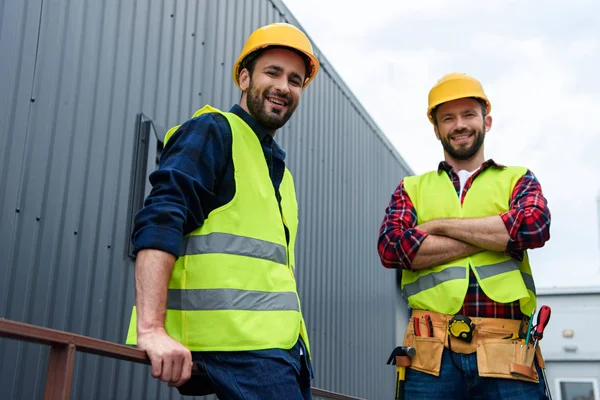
[183, 186]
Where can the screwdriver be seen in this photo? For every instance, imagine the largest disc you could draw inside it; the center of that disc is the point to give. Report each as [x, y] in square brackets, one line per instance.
[542, 320]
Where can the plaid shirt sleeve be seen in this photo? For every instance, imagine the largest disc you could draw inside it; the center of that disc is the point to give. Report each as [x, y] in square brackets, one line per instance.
[398, 239]
[528, 220]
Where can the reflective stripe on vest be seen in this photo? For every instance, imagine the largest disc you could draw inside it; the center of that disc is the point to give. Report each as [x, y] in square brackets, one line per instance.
[231, 299]
[489, 271]
[450, 273]
[433, 279]
[225, 243]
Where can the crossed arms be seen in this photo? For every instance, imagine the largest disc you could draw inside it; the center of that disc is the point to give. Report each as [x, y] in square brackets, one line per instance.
[404, 244]
[449, 239]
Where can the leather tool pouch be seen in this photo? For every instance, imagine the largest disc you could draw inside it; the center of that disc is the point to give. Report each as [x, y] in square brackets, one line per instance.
[429, 350]
[509, 359]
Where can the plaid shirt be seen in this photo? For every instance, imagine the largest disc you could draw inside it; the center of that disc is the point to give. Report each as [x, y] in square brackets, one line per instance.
[527, 223]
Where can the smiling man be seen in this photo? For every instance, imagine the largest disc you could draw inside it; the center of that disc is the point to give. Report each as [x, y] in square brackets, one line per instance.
[461, 235]
[215, 240]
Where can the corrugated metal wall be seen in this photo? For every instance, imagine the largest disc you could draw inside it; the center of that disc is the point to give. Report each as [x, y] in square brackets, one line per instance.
[73, 76]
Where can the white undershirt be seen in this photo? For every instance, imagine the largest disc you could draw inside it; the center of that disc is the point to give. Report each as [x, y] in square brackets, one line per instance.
[463, 176]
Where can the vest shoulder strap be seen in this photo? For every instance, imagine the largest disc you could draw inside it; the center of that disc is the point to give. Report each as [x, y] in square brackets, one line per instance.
[204, 110]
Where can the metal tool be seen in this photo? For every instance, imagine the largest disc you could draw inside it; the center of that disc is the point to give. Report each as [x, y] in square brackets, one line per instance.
[400, 358]
[529, 328]
[523, 327]
[416, 327]
[429, 324]
[538, 333]
[542, 320]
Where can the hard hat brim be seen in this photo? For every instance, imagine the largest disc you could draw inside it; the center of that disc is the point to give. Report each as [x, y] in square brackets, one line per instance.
[452, 98]
[314, 62]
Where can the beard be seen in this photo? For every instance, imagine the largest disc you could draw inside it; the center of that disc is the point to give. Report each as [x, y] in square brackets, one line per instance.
[464, 152]
[272, 119]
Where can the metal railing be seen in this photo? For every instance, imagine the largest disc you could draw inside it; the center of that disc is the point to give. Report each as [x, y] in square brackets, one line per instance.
[64, 345]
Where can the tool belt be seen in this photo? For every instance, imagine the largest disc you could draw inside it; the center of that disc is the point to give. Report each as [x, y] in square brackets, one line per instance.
[500, 351]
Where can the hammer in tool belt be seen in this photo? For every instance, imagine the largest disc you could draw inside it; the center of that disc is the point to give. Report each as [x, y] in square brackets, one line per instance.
[400, 357]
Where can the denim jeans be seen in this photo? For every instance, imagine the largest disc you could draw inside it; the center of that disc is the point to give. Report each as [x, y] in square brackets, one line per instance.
[452, 384]
[261, 374]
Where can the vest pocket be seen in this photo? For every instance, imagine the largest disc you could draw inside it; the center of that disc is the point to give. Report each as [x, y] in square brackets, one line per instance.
[495, 358]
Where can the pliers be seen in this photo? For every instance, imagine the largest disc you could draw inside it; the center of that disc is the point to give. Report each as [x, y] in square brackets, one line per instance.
[428, 324]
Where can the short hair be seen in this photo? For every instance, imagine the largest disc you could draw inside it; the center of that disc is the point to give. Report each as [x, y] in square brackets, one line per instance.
[249, 62]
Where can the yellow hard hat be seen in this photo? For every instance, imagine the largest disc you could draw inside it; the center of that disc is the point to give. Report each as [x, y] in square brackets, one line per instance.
[455, 86]
[278, 34]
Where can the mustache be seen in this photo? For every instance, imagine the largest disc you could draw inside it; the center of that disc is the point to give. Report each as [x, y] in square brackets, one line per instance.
[463, 131]
[277, 93]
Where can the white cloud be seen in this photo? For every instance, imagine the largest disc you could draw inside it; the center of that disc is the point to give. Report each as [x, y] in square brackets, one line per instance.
[538, 62]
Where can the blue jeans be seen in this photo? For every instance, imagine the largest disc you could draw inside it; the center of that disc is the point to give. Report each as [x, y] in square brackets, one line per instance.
[451, 384]
[260, 374]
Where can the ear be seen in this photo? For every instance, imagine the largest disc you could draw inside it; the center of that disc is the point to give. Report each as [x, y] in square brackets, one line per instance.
[244, 79]
[488, 123]
[437, 132]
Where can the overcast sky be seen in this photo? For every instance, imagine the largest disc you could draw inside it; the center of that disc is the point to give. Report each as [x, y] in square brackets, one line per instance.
[539, 63]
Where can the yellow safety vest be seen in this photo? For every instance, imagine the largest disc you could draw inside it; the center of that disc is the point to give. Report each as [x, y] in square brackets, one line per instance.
[233, 286]
[443, 288]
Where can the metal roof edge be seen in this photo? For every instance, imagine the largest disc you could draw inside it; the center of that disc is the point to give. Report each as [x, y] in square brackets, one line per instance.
[329, 70]
[568, 291]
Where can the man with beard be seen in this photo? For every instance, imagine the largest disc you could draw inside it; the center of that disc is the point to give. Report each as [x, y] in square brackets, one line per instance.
[214, 272]
[460, 234]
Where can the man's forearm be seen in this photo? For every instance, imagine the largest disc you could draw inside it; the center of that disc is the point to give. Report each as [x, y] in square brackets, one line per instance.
[488, 233]
[436, 250]
[152, 272]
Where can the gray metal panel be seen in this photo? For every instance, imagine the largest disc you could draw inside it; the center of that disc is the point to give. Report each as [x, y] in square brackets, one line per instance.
[66, 166]
[19, 25]
[577, 313]
[558, 371]
[568, 291]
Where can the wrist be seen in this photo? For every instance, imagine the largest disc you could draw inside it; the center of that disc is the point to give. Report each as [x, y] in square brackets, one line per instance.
[144, 329]
[435, 227]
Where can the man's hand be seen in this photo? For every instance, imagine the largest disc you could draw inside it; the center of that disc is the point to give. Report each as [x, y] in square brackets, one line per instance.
[430, 227]
[171, 361]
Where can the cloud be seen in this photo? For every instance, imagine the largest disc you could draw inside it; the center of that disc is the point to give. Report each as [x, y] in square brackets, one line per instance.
[538, 62]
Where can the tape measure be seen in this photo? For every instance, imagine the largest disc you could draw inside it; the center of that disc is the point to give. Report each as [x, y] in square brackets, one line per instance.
[461, 327]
